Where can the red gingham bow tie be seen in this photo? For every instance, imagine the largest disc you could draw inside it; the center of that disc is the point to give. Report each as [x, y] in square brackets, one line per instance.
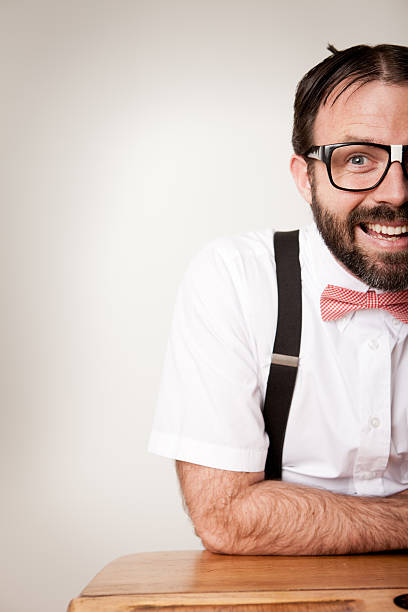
[336, 302]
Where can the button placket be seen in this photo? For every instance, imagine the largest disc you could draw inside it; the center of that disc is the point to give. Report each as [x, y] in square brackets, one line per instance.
[375, 407]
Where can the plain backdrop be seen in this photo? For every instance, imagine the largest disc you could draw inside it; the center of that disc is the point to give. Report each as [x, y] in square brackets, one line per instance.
[132, 132]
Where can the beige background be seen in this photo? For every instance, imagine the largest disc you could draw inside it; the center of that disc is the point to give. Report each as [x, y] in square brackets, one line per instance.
[132, 132]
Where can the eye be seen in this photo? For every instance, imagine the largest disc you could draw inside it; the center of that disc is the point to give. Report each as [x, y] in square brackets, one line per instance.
[358, 160]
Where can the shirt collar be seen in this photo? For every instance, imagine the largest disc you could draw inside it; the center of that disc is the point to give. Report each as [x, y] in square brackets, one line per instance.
[320, 268]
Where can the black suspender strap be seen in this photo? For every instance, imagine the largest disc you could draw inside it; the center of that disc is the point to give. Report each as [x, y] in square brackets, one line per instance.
[285, 357]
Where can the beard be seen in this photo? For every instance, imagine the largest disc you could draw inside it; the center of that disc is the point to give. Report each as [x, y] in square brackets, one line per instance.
[385, 271]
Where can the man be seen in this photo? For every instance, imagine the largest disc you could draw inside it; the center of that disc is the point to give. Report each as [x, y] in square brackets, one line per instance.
[345, 457]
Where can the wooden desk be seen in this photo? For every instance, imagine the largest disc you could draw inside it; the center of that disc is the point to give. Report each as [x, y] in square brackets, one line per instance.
[202, 582]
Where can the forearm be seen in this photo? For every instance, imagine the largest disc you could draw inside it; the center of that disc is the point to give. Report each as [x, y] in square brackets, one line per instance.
[273, 517]
[279, 518]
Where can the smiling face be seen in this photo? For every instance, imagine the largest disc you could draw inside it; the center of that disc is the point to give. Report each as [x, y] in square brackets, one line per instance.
[366, 231]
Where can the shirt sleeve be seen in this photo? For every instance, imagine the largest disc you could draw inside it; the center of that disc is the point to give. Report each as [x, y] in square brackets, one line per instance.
[209, 409]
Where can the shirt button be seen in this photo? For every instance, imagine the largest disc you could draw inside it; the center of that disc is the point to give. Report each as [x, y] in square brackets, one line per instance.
[375, 422]
[396, 322]
[373, 344]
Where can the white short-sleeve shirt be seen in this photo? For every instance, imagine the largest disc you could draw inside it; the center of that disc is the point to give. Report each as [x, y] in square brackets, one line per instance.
[348, 424]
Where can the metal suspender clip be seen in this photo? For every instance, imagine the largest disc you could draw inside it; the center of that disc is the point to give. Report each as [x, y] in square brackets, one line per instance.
[285, 360]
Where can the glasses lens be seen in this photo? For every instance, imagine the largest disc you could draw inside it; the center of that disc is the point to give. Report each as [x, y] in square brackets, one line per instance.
[358, 166]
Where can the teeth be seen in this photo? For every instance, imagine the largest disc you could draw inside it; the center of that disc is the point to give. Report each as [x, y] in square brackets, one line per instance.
[387, 229]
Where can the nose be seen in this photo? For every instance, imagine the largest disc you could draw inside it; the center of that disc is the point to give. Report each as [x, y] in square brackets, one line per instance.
[393, 189]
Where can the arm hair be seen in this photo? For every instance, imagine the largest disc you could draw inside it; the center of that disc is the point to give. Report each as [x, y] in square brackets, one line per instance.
[241, 513]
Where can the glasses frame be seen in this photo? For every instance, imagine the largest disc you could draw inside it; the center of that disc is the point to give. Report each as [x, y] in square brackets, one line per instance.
[324, 154]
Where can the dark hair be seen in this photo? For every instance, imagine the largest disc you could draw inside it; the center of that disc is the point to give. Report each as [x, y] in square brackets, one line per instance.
[359, 64]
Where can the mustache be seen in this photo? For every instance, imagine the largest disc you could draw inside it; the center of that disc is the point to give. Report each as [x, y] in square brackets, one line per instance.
[382, 212]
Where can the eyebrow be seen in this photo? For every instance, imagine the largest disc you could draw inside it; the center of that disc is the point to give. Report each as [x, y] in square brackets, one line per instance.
[353, 138]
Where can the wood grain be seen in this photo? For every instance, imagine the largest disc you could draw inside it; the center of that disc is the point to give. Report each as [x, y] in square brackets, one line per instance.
[369, 600]
[199, 581]
[320, 606]
[201, 571]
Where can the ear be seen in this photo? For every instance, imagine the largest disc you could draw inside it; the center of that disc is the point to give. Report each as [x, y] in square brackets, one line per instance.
[298, 168]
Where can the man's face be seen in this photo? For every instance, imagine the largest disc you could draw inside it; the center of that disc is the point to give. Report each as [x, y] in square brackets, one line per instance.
[347, 220]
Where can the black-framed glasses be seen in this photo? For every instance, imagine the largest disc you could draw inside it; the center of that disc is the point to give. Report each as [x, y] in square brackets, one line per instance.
[359, 166]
